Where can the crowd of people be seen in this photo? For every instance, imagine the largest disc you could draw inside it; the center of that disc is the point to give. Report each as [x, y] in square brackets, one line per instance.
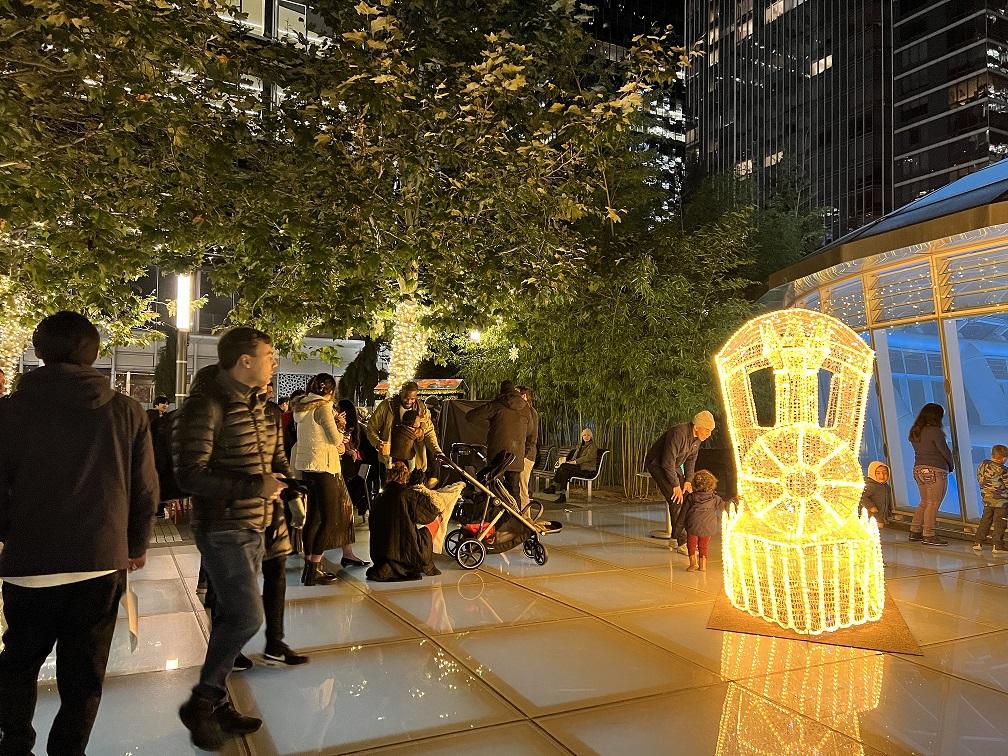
[267, 479]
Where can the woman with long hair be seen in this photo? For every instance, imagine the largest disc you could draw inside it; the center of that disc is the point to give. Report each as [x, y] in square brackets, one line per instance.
[320, 444]
[352, 457]
[932, 465]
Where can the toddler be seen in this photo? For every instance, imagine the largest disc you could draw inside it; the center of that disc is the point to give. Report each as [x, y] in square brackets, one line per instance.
[993, 479]
[876, 497]
[703, 518]
[404, 438]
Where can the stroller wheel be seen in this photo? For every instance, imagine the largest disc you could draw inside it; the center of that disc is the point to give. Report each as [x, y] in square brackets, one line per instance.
[529, 547]
[470, 554]
[452, 541]
[540, 554]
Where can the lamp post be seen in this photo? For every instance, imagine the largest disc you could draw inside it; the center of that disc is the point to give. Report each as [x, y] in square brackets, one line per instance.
[183, 321]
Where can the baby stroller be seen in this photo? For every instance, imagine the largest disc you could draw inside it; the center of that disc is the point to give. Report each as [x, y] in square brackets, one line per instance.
[500, 524]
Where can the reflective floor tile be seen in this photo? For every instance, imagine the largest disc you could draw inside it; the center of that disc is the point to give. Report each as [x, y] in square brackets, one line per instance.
[560, 561]
[336, 621]
[452, 577]
[523, 738]
[574, 535]
[448, 610]
[675, 575]
[632, 554]
[946, 592]
[160, 566]
[901, 707]
[297, 591]
[138, 715]
[188, 562]
[366, 697]
[983, 659]
[557, 666]
[723, 719]
[165, 642]
[159, 597]
[683, 630]
[994, 574]
[935, 560]
[933, 626]
[611, 591]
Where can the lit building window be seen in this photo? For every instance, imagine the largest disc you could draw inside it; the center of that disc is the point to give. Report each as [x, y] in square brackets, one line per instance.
[745, 29]
[822, 65]
[744, 168]
[773, 159]
[714, 56]
[774, 11]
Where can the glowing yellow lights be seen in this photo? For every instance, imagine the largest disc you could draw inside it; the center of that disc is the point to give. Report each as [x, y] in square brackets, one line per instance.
[409, 343]
[760, 716]
[796, 551]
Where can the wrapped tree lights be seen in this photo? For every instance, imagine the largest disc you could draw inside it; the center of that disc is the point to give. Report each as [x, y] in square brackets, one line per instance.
[409, 343]
[796, 551]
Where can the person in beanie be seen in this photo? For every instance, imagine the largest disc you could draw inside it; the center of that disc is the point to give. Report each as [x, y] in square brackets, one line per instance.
[229, 457]
[78, 490]
[670, 462]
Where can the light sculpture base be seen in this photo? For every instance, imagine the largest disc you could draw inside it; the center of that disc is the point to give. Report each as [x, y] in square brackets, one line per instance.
[808, 587]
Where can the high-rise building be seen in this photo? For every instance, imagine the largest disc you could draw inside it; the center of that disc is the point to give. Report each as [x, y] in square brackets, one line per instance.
[950, 91]
[796, 85]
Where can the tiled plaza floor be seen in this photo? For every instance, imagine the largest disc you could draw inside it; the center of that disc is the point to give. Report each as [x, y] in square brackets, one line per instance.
[602, 650]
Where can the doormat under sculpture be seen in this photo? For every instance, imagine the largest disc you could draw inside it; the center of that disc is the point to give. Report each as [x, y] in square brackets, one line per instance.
[889, 634]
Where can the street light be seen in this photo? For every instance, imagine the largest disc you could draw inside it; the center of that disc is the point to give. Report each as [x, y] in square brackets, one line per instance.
[183, 322]
[475, 336]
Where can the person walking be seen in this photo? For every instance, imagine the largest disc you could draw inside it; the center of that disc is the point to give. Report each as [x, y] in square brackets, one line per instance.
[320, 445]
[701, 516]
[509, 429]
[581, 460]
[671, 461]
[993, 479]
[78, 490]
[932, 465]
[229, 457]
[531, 448]
[388, 415]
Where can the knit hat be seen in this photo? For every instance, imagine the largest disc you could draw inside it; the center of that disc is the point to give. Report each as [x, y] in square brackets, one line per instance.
[704, 419]
[872, 467]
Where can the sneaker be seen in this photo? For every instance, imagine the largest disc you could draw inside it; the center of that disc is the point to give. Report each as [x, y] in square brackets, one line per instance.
[916, 536]
[978, 548]
[683, 549]
[241, 663]
[283, 655]
[233, 722]
[197, 714]
[998, 551]
[934, 540]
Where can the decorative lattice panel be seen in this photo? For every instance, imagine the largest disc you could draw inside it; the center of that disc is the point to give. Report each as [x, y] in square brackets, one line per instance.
[287, 383]
[796, 550]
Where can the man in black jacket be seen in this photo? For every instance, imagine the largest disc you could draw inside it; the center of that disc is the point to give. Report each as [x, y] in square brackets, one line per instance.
[229, 457]
[78, 491]
[671, 461]
[509, 429]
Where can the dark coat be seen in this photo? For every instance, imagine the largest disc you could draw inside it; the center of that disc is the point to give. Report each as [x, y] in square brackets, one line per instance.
[877, 495]
[399, 550]
[223, 447]
[510, 421]
[703, 513]
[532, 442]
[585, 456]
[161, 432]
[78, 486]
[277, 538]
[678, 446]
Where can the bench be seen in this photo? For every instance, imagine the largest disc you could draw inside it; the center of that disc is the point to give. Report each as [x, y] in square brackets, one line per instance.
[587, 477]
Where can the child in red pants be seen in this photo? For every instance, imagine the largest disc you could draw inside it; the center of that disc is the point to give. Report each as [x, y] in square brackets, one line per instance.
[703, 518]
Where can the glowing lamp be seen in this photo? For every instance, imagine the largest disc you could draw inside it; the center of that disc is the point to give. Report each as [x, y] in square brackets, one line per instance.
[796, 550]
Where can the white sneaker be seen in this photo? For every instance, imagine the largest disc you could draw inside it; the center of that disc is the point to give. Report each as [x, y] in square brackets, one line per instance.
[996, 550]
[683, 549]
[977, 548]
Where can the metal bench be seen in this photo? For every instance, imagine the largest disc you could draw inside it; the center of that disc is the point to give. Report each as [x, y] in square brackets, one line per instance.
[603, 453]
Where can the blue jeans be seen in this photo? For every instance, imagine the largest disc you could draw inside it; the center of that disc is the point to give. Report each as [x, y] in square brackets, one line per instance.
[232, 559]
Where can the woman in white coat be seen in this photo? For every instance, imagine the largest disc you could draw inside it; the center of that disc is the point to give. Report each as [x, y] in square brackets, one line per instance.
[320, 443]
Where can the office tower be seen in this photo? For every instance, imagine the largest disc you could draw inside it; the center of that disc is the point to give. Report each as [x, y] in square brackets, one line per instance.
[797, 86]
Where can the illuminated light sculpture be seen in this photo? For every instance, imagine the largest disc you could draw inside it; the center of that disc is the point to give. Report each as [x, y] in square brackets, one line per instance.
[761, 715]
[796, 551]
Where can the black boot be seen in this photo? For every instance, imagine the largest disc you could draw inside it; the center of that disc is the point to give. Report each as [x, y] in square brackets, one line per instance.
[235, 723]
[197, 714]
[315, 576]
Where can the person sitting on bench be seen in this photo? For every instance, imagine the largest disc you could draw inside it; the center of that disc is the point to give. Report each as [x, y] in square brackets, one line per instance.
[582, 460]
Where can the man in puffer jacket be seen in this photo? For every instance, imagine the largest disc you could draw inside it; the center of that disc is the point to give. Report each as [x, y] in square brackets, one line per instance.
[229, 457]
[993, 479]
[510, 429]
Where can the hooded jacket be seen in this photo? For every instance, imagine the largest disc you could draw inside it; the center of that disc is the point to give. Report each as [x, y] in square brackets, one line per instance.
[320, 441]
[703, 513]
[78, 487]
[876, 495]
[993, 479]
[223, 447]
[510, 427]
